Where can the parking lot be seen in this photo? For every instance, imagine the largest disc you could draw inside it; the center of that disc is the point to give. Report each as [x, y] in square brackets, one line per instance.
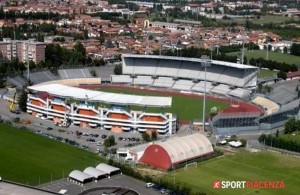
[87, 138]
[117, 180]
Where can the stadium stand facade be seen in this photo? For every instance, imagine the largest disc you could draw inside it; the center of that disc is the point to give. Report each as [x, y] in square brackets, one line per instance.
[56, 102]
[187, 74]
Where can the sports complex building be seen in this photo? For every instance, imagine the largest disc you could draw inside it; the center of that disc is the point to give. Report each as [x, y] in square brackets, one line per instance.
[61, 98]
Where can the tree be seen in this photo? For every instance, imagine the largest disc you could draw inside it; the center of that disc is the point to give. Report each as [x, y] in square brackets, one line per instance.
[153, 135]
[93, 73]
[146, 137]
[277, 133]
[109, 141]
[295, 49]
[281, 75]
[22, 101]
[118, 69]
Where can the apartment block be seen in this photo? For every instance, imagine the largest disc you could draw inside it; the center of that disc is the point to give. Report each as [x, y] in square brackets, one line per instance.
[21, 49]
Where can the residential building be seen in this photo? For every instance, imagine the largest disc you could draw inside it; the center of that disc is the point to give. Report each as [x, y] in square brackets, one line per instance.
[21, 49]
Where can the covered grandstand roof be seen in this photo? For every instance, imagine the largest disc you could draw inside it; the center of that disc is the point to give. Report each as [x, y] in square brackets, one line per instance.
[164, 154]
[107, 168]
[222, 63]
[98, 96]
[80, 176]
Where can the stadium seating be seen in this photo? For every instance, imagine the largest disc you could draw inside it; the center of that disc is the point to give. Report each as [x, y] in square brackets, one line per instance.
[74, 73]
[143, 67]
[143, 80]
[282, 95]
[221, 89]
[268, 105]
[189, 70]
[167, 68]
[166, 82]
[17, 81]
[43, 76]
[103, 72]
[199, 87]
[185, 85]
[240, 93]
[121, 79]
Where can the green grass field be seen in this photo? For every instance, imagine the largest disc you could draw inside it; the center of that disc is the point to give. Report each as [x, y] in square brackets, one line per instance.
[31, 159]
[263, 73]
[293, 136]
[279, 57]
[186, 108]
[242, 167]
[263, 20]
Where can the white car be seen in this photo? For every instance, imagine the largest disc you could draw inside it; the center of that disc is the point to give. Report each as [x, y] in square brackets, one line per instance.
[149, 185]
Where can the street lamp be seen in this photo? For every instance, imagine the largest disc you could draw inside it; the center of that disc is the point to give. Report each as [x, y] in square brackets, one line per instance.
[205, 62]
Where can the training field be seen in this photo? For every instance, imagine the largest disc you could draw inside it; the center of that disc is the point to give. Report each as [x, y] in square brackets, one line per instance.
[31, 159]
[279, 57]
[186, 108]
[244, 166]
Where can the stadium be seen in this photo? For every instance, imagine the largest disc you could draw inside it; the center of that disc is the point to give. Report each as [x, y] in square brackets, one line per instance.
[61, 97]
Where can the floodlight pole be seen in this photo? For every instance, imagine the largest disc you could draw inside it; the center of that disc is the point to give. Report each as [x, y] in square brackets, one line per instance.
[205, 63]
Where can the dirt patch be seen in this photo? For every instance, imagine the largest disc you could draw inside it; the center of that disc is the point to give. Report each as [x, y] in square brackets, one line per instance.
[150, 172]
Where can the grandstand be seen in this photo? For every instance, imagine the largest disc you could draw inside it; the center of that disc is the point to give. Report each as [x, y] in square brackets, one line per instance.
[282, 95]
[43, 76]
[269, 106]
[221, 89]
[184, 85]
[165, 82]
[240, 93]
[199, 87]
[17, 81]
[121, 79]
[74, 73]
[57, 102]
[143, 80]
[231, 74]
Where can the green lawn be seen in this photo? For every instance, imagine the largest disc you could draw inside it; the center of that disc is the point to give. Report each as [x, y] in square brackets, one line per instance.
[26, 157]
[263, 73]
[186, 108]
[263, 20]
[279, 57]
[293, 136]
[244, 166]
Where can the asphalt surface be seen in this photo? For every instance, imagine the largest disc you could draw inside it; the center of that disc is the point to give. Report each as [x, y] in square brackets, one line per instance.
[116, 180]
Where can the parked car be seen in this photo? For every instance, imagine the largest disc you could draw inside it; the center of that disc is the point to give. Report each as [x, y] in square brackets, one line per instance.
[120, 138]
[104, 136]
[91, 140]
[49, 128]
[149, 185]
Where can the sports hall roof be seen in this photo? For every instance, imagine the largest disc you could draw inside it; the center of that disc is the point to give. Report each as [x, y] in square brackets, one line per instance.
[79, 176]
[107, 168]
[216, 62]
[94, 172]
[98, 96]
[190, 146]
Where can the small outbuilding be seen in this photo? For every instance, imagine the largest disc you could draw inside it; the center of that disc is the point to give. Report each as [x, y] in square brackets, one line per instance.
[96, 173]
[80, 177]
[109, 170]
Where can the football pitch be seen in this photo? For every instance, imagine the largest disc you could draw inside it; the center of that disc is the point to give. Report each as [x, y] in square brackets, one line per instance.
[244, 166]
[279, 57]
[186, 108]
[31, 159]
